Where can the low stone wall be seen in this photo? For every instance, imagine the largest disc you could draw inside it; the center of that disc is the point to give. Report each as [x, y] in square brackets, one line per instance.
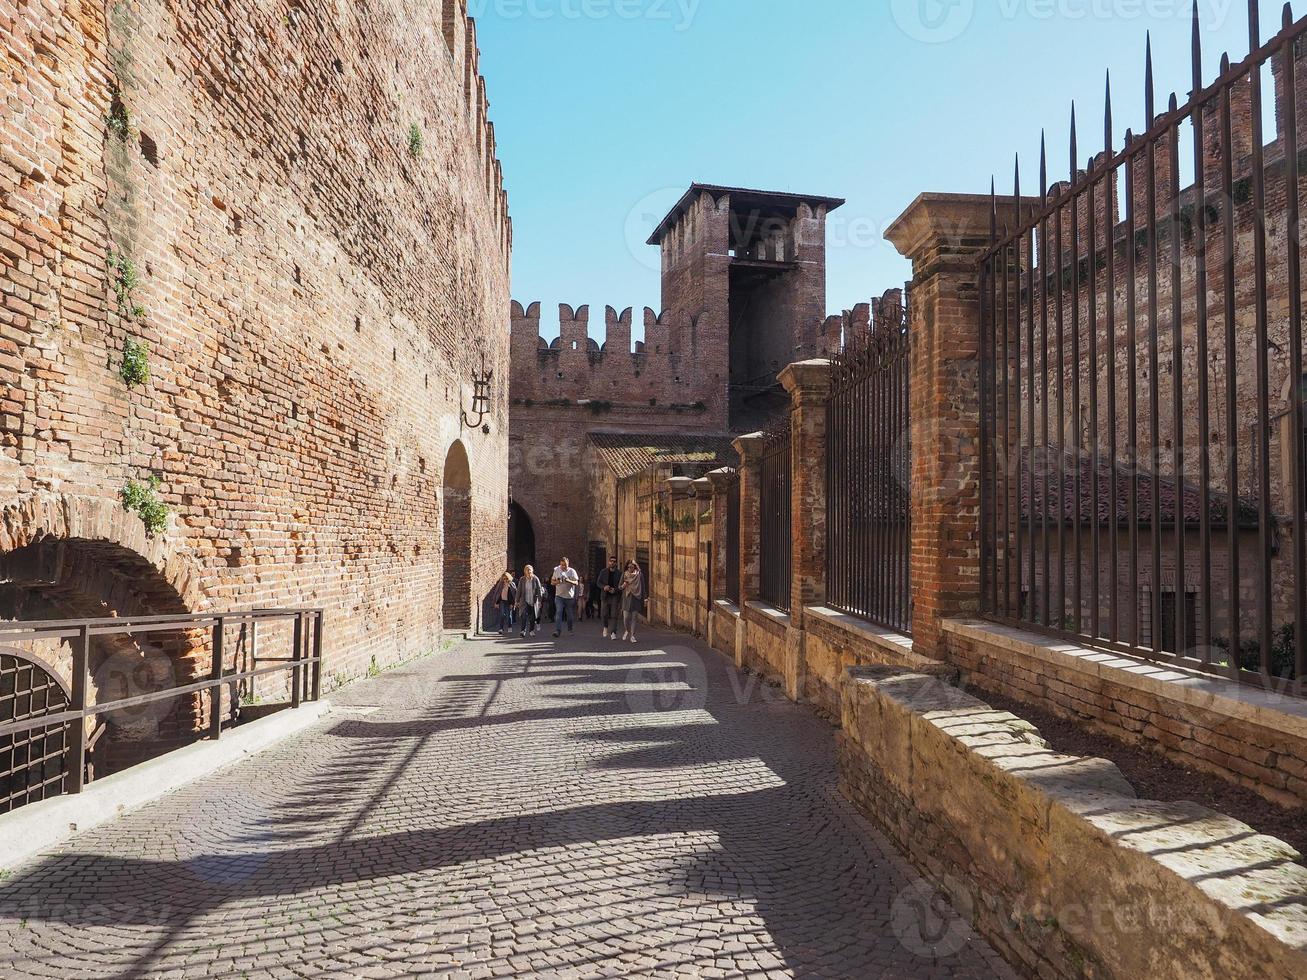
[1052, 857]
[1251, 737]
[835, 641]
[723, 626]
[765, 642]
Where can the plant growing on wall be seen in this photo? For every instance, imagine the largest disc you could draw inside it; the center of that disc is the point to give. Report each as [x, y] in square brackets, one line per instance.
[415, 141]
[142, 499]
[135, 368]
[126, 280]
[119, 120]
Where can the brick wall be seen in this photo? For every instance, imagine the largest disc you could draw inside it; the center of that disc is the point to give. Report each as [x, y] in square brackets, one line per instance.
[313, 293]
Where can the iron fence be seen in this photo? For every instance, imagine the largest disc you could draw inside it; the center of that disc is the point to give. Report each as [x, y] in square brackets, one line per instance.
[44, 730]
[1143, 442]
[775, 543]
[868, 451]
[733, 538]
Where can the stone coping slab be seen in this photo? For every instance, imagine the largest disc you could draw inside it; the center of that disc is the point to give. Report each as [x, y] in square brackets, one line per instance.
[38, 827]
[1258, 706]
[1062, 865]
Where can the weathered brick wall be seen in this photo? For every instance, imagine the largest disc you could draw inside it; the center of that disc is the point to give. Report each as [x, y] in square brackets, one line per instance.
[314, 295]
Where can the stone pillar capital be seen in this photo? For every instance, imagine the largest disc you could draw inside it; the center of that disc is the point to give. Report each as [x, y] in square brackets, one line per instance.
[750, 448]
[720, 480]
[940, 231]
[702, 487]
[679, 486]
[808, 382]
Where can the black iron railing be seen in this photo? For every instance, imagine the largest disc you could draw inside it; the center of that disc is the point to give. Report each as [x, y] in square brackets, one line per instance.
[868, 499]
[775, 543]
[44, 730]
[733, 539]
[1143, 386]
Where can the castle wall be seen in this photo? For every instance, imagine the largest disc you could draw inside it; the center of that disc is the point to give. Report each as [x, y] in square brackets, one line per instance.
[314, 291]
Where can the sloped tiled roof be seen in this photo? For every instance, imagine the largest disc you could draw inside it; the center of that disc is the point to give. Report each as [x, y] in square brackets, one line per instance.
[628, 453]
[1066, 509]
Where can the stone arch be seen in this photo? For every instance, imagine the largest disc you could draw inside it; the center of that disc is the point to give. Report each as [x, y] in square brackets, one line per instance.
[67, 557]
[456, 522]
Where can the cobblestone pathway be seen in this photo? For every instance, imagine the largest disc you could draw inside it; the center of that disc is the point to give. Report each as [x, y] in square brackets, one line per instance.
[511, 808]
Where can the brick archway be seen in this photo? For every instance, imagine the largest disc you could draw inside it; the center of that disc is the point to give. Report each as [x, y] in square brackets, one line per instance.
[456, 518]
[79, 558]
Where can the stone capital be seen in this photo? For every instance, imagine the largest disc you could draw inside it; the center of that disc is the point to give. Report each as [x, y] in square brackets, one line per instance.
[807, 381]
[750, 447]
[720, 479]
[679, 486]
[951, 226]
[702, 486]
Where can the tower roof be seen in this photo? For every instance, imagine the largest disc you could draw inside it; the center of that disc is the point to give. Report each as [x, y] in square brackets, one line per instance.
[742, 198]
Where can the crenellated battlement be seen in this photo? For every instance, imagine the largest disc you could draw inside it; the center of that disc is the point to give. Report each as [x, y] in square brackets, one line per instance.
[460, 33]
[839, 330]
[679, 362]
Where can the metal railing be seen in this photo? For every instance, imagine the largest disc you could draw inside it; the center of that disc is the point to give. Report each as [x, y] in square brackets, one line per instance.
[868, 455]
[775, 543]
[63, 718]
[1143, 454]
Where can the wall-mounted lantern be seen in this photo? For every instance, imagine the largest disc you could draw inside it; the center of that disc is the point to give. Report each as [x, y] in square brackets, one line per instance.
[480, 399]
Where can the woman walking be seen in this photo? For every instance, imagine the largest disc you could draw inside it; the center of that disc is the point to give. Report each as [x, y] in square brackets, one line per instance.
[530, 594]
[507, 600]
[632, 598]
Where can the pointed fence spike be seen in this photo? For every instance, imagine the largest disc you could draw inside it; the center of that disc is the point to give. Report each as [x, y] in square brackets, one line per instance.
[1107, 115]
[1286, 18]
[1254, 26]
[1150, 102]
[1225, 62]
[1075, 152]
[1197, 51]
[1043, 165]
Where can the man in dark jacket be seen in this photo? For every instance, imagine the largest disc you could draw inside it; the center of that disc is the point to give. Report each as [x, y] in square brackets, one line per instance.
[609, 588]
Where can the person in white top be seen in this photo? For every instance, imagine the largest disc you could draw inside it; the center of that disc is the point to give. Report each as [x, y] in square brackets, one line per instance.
[565, 581]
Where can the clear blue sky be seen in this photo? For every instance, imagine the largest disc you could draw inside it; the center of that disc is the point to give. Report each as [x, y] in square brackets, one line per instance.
[606, 110]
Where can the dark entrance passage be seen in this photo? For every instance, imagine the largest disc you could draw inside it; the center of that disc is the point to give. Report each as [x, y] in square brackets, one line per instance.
[521, 539]
[457, 520]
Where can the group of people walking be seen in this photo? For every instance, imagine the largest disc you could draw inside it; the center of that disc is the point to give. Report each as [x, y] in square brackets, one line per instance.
[523, 602]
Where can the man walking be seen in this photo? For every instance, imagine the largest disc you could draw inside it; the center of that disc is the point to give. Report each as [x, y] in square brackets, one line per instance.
[609, 586]
[565, 581]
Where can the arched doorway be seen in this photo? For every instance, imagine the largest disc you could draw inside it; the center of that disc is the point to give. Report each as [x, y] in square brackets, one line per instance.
[521, 538]
[456, 509]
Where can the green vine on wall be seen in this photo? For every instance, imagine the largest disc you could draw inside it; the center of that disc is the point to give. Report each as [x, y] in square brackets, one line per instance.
[415, 141]
[668, 519]
[119, 120]
[142, 499]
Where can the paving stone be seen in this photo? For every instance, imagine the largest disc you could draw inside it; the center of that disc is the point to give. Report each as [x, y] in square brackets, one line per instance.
[512, 808]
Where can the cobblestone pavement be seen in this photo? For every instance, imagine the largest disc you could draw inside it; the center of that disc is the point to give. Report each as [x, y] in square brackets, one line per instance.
[511, 808]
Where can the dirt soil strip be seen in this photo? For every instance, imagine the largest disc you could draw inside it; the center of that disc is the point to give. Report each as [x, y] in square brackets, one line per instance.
[1158, 778]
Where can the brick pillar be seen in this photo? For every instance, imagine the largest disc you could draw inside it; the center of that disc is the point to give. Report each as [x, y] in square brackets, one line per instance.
[678, 488]
[720, 481]
[750, 449]
[808, 383]
[943, 235]
[702, 491]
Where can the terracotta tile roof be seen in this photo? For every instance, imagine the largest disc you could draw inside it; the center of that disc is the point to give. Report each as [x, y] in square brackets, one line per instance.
[1218, 502]
[628, 453]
